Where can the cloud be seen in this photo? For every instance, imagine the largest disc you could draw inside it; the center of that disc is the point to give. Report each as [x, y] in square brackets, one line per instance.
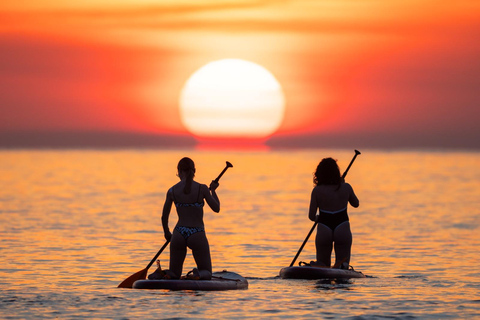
[368, 16]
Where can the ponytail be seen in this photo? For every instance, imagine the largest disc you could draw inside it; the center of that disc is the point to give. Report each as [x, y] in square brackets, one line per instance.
[188, 166]
[188, 182]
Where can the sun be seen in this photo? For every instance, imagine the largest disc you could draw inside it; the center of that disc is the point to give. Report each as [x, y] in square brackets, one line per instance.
[232, 98]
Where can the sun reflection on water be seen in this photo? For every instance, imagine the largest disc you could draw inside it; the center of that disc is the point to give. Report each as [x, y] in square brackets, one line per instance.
[79, 222]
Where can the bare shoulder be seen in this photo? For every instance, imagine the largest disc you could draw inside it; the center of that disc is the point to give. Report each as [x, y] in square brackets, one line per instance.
[203, 188]
[347, 187]
[169, 194]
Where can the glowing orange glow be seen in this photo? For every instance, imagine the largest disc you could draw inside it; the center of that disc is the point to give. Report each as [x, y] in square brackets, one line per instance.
[81, 222]
[232, 98]
[343, 66]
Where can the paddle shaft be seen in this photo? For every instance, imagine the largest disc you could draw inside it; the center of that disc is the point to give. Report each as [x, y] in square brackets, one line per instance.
[158, 253]
[315, 224]
[142, 274]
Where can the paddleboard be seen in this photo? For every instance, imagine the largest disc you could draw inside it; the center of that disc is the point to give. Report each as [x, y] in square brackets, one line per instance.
[223, 280]
[308, 272]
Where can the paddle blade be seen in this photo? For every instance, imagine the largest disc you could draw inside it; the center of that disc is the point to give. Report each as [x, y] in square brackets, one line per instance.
[128, 283]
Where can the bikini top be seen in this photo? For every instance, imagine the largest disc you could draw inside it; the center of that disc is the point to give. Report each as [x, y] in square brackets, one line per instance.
[197, 204]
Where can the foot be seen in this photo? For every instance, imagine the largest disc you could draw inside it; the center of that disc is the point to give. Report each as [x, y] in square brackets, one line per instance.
[318, 264]
[205, 274]
[196, 274]
[193, 275]
[160, 274]
[157, 275]
[343, 266]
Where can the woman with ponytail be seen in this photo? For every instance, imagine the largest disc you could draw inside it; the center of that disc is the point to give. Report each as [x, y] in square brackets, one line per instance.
[189, 198]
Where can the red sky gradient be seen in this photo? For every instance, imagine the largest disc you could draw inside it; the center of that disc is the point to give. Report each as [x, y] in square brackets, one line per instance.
[396, 70]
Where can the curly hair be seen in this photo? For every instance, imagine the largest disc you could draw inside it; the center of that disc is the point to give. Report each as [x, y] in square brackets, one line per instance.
[327, 173]
[188, 166]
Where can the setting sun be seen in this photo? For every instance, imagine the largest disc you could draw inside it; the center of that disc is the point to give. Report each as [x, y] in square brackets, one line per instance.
[232, 98]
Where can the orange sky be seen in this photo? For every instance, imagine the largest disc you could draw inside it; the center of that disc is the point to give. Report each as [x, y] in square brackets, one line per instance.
[379, 68]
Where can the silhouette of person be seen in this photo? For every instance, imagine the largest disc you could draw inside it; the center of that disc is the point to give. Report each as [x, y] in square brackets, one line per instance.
[188, 197]
[331, 196]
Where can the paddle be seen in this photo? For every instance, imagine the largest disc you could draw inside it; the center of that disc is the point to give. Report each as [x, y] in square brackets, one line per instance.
[142, 274]
[229, 165]
[315, 224]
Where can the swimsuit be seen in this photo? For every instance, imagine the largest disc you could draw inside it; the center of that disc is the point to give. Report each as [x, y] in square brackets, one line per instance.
[333, 219]
[188, 231]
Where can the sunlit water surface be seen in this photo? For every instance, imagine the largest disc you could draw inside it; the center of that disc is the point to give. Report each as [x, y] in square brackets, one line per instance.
[76, 223]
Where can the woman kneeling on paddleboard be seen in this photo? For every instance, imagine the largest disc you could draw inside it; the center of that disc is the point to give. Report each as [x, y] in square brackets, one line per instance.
[331, 196]
[188, 197]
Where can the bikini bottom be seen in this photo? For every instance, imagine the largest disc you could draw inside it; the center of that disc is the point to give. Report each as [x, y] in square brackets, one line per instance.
[186, 232]
[333, 220]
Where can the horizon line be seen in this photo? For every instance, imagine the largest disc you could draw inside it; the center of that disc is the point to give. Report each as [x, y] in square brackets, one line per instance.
[114, 140]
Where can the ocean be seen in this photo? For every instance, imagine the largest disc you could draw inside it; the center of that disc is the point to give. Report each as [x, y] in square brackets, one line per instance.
[75, 223]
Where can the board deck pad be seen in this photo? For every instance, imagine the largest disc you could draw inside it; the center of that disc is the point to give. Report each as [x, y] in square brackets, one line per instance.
[308, 272]
[223, 280]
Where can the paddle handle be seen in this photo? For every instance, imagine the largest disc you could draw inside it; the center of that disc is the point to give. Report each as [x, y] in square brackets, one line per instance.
[228, 165]
[351, 162]
[315, 224]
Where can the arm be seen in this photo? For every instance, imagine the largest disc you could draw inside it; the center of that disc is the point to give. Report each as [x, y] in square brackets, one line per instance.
[312, 212]
[167, 207]
[211, 196]
[352, 199]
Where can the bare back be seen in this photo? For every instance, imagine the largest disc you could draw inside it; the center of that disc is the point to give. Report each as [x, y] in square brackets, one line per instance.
[190, 206]
[331, 198]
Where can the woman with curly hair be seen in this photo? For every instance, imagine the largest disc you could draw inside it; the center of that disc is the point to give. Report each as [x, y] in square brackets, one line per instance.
[330, 197]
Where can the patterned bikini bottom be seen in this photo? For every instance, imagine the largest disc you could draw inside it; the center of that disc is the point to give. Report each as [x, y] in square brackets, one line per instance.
[188, 231]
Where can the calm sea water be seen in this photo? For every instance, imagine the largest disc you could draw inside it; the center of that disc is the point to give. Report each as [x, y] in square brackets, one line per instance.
[75, 223]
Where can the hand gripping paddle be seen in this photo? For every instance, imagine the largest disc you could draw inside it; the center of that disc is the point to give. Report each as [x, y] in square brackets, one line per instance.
[229, 165]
